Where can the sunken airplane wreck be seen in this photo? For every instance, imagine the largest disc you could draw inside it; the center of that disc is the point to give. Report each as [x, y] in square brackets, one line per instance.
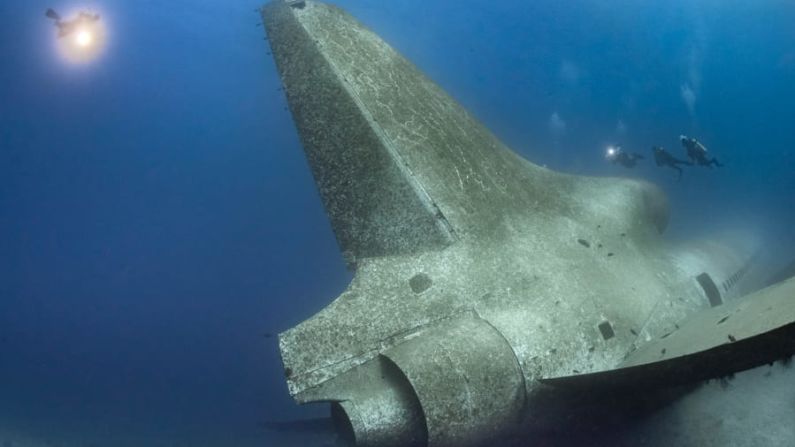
[485, 285]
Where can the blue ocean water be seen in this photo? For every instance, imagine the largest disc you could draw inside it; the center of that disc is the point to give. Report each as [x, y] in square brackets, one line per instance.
[159, 224]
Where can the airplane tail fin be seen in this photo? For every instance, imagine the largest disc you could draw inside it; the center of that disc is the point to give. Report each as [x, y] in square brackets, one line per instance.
[401, 167]
[52, 14]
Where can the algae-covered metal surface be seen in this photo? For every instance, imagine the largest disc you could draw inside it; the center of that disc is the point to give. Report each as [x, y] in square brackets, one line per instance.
[482, 281]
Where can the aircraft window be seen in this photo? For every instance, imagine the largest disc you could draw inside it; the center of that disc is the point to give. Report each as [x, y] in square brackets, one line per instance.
[420, 283]
[607, 330]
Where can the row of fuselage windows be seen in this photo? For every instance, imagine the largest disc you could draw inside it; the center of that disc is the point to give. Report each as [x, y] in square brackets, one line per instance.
[735, 278]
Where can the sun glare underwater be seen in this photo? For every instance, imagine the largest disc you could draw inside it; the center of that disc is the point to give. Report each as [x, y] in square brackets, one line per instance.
[87, 41]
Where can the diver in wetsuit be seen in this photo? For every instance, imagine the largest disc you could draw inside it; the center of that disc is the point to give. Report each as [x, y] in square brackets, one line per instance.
[697, 152]
[664, 158]
[625, 159]
[66, 27]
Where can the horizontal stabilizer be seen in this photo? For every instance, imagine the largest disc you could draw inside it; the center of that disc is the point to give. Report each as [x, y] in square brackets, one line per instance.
[752, 331]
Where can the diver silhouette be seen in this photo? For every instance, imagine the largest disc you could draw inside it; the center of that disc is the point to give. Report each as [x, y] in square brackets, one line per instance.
[697, 152]
[623, 158]
[664, 158]
[67, 27]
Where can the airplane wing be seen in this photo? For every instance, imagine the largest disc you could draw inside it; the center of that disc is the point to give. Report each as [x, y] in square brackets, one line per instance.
[739, 335]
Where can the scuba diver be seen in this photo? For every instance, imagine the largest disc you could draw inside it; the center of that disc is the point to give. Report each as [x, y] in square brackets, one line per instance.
[697, 152]
[664, 158]
[67, 27]
[625, 159]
